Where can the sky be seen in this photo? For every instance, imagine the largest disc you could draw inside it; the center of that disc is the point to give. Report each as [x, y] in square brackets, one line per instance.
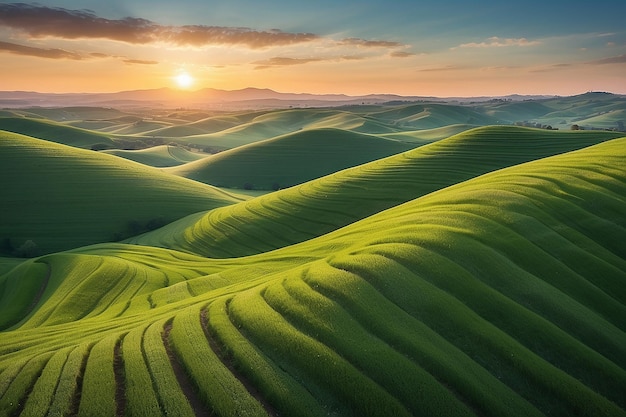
[445, 48]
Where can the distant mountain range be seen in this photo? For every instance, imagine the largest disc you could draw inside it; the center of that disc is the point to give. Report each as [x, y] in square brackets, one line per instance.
[213, 98]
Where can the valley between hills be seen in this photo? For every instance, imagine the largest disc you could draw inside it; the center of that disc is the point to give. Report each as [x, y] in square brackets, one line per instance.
[387, 258]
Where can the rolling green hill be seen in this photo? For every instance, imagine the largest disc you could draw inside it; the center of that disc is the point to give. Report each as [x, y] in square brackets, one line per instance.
[61, 197]
[289, 159]
[318, 207]
[158, 156]
[430, 116]
[55, 132]
[499, 296]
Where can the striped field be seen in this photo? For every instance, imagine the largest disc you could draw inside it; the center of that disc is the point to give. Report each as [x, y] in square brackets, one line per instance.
[480, 275]
[410, 263]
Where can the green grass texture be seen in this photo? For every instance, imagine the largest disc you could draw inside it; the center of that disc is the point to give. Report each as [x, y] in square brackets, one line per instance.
[496, 292]
[289, 160]
[60, 197]
[317, 207]
[158, 156]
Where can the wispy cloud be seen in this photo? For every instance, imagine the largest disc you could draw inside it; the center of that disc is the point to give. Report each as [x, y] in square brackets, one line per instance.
[368, 43]
[283, 61]
[553, 67]
[401, 54]
[441, 69]
[39, 21]
[496, 42]
[139, 61]
[52, 53]
[286, 61]
[620, 59]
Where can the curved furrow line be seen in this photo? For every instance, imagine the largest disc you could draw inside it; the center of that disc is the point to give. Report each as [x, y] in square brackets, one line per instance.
[216, 239]
[58, 290]
[531, 291]
[101, 383]
[185, 383]
[319, 318]
[327, 375]
[66, 398]
[483, 392]
[171, 398]
[564, 241]
[222, 353]
[447, 298]
[535, 247]
[271, 213]
[281, 390]
[40, 397]
[14, 397]
[116, 295]
[218, 388]
[141, 398]
[133, 289]
[104, 298]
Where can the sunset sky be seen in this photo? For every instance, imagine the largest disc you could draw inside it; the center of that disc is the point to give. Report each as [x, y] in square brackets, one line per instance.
[442, 48]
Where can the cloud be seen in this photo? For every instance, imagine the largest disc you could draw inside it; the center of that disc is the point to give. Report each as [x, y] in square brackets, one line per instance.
[53, 53]
[401, 54]
[554, 67]
[496, 42]
[368, 43]
[441, 69]
[139, 61]
[283, 61]
[620, 59]
[39, 21]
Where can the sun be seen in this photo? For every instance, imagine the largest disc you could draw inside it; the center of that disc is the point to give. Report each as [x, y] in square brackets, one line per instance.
[183, 79]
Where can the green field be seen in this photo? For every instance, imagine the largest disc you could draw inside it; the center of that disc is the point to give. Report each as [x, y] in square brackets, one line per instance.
[411, 270]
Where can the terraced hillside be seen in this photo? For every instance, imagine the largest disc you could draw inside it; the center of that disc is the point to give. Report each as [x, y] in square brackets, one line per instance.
[501, 295]
[318, 207]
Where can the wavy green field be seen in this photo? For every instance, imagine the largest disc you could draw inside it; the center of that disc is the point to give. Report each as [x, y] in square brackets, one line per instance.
[61, 197]
[158, 156]
[289, 159]
[479, 274]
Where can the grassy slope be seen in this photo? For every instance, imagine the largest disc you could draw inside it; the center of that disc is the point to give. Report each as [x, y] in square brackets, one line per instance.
[428, 135]
[499, 296]
[290, 159]
[315, 208]
[430, 116]
[158, 156]
[55, 132]
[62, 197]
[254, 127]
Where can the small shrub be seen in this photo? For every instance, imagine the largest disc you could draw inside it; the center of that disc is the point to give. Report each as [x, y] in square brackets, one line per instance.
[29, 249]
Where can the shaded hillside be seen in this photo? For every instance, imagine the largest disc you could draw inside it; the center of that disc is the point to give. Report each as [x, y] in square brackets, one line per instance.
[61, 197]
[55, 132]
[158, 156]
[289, 160]
[430, 116]
[312, 209]
[500, 296]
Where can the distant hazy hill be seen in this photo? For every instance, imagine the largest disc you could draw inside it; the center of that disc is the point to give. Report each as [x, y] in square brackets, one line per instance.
[208, 97]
